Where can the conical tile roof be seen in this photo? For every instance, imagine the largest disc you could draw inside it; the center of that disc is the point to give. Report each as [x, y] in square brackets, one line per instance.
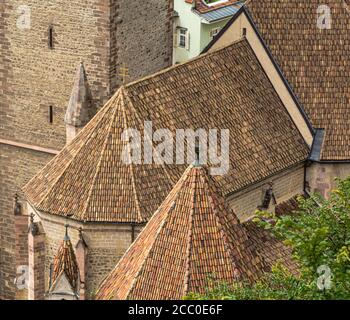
[88, 180]
[191, 238]
[65, 263]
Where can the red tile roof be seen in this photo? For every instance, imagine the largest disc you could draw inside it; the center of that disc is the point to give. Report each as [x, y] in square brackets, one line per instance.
[192, 237]
[225, 89]
[65, 262]
[315, 61]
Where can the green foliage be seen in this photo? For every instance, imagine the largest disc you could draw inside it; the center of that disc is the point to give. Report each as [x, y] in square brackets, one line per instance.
[319, 234]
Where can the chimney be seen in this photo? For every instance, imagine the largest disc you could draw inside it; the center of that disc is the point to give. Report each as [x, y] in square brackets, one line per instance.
[80, 110]
[36, 256]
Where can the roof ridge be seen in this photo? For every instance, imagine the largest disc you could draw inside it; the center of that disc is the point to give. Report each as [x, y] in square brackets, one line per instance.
[220, 226]
[131, 165]
[188, 62]
[153, 149]
[160, 228]
[104, 110]
[189, 236]
[98, 167]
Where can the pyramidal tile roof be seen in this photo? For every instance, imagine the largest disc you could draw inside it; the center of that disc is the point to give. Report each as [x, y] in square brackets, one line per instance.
[88, 178]
[192, 238]
[80, 110]
[65, 263]
[315, 61]
[225, 89]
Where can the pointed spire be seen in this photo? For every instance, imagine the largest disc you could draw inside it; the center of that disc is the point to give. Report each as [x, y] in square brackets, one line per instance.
[65, 263]
[66, 237]
[80, 110]
[206, 239]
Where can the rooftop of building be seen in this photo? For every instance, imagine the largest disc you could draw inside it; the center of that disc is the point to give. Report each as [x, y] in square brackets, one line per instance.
[204, 6]
[193, 238]
[65, 264]
[310, 41]
[225, 89]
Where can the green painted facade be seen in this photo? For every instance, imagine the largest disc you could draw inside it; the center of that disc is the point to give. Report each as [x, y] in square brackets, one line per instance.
[198, 32]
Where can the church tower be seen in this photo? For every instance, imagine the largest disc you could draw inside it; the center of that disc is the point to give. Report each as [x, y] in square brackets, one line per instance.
[41, 45]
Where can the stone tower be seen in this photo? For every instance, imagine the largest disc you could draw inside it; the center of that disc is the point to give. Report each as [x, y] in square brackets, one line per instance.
[41, 44]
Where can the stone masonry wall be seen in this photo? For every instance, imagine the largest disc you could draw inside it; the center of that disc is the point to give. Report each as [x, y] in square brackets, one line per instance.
[285, 185]
[107, 242]
[143, 37]
[321, 177]
[104, 34]
[17, 166]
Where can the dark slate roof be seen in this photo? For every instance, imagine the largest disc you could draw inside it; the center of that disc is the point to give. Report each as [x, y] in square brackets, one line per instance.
[317, 145]
[220, 13]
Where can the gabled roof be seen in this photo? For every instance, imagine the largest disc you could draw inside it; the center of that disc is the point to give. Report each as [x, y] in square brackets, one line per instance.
[192, 238]
[65, 264]
[225, 89]
[315, 62]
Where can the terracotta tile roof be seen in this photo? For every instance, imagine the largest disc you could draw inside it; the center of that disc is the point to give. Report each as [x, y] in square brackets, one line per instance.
[65, 262]
[314, 61]
[225, 89]
[270, 248]
[201, 7]
[192, 237]
[288, 207]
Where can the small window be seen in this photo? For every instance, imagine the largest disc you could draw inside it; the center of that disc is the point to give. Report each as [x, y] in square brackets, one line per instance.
[244, 31]
[183, 37]
[50, 37]
[214, 32]
[51, 114]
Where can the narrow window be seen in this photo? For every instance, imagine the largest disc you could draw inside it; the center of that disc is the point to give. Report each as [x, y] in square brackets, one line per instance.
[214, 32]
[51, 114]
[182, 37]
[51, 37]
[244, 32]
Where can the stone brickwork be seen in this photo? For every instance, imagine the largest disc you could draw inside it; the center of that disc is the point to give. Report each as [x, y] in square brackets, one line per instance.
[106, 245]
[320, 177]
[36, 257]
[107, 242]
[21, 254]
[104, 34]
[285, 185]
[17, 166]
